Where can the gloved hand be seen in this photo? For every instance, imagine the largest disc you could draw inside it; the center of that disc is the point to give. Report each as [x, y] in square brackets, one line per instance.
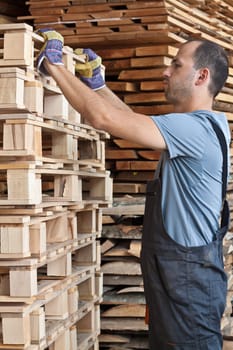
[91, 73]
[51, 50]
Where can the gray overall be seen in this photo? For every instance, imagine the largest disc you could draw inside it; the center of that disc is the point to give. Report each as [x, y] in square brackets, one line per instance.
[185, 287]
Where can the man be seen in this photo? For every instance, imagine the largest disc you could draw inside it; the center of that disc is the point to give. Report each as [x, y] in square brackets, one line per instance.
[182, 263]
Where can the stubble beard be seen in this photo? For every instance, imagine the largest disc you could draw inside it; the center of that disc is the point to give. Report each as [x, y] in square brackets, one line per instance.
[177, 95]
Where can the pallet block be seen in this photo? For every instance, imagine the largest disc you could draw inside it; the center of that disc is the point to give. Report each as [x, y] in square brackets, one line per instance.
[34, 96]
[57, 308]
[73, 298]
[56, 106]
[12, 88]
[91, 150]
[60, 267]
[62, 342]
[15, 240]
[64, 146]
[97, 188]
[99, 284]
[58, 228]
[37, 239]
[73, 115]
[73, 338]
[24, 186]
[23, 282]
[86, 221]
[18, 49]
[16, 329]
[86, 255]
[87, 289]
[68, 187]
[22, 137]
[37, 326]
[87, 323]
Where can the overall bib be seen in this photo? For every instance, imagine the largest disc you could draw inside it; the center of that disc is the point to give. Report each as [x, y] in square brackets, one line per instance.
[185, 287]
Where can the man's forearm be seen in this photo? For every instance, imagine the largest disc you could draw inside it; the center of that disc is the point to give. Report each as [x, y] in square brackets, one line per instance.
[112, 98]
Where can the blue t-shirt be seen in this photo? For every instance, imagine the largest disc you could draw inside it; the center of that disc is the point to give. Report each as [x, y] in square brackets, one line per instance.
[192, 175]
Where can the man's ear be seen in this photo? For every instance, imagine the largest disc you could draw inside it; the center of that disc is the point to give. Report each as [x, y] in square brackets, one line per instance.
[203, 76]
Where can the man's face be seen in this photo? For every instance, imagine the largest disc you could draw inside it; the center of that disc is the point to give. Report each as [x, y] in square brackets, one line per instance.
[180, 76]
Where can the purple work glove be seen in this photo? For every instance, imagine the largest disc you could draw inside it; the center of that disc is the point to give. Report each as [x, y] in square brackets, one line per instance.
[91, 73]
[51, 50]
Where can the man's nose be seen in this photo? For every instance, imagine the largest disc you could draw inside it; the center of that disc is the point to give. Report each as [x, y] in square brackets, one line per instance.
[167, 72]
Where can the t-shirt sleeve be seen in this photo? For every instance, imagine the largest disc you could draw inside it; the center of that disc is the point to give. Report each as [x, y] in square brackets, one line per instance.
[184, 134]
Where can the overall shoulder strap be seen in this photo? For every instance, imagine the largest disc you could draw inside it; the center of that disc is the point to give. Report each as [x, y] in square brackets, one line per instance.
[224, 148]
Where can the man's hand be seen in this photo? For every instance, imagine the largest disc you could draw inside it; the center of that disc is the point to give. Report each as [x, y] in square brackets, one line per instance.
[91, 73]
[51, 50]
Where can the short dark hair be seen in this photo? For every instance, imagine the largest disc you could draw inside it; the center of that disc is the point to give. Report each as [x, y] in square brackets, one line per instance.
[214, 57]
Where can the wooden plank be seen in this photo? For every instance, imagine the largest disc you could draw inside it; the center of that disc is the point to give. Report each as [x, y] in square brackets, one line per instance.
[121, 268]
[126, 144]
[141, 74]
[122, 231]
[150, 155]
[111, 53]
[128, 188]
[116, 280]
[116, 65]
[150, 61]
[134, 176]
[111, 298]
[118, 86]
[120, 154]
[124, 324]
[156, 109]
[152, 86]
[119, 249]
[156, 50]
[136, 165]
[107, 245]
[135, 248]
[113, 338]
[145, 97]
[130, 310]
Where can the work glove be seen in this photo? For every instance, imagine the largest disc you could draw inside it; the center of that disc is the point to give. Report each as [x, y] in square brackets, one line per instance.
[51, 49]
[90, 73]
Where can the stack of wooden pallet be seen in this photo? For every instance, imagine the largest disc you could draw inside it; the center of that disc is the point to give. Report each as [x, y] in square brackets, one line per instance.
[53, 186]
[137, 40]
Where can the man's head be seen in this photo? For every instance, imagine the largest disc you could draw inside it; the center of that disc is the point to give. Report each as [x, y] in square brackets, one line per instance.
[199, 68]
[212, 56]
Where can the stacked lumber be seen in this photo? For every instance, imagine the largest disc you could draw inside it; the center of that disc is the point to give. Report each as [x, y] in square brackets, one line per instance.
[137, 40]
[53, 186]
[10, 10]
[123, 306]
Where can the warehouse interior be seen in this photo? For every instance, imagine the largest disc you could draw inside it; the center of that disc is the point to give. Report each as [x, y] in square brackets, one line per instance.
[72, 198]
